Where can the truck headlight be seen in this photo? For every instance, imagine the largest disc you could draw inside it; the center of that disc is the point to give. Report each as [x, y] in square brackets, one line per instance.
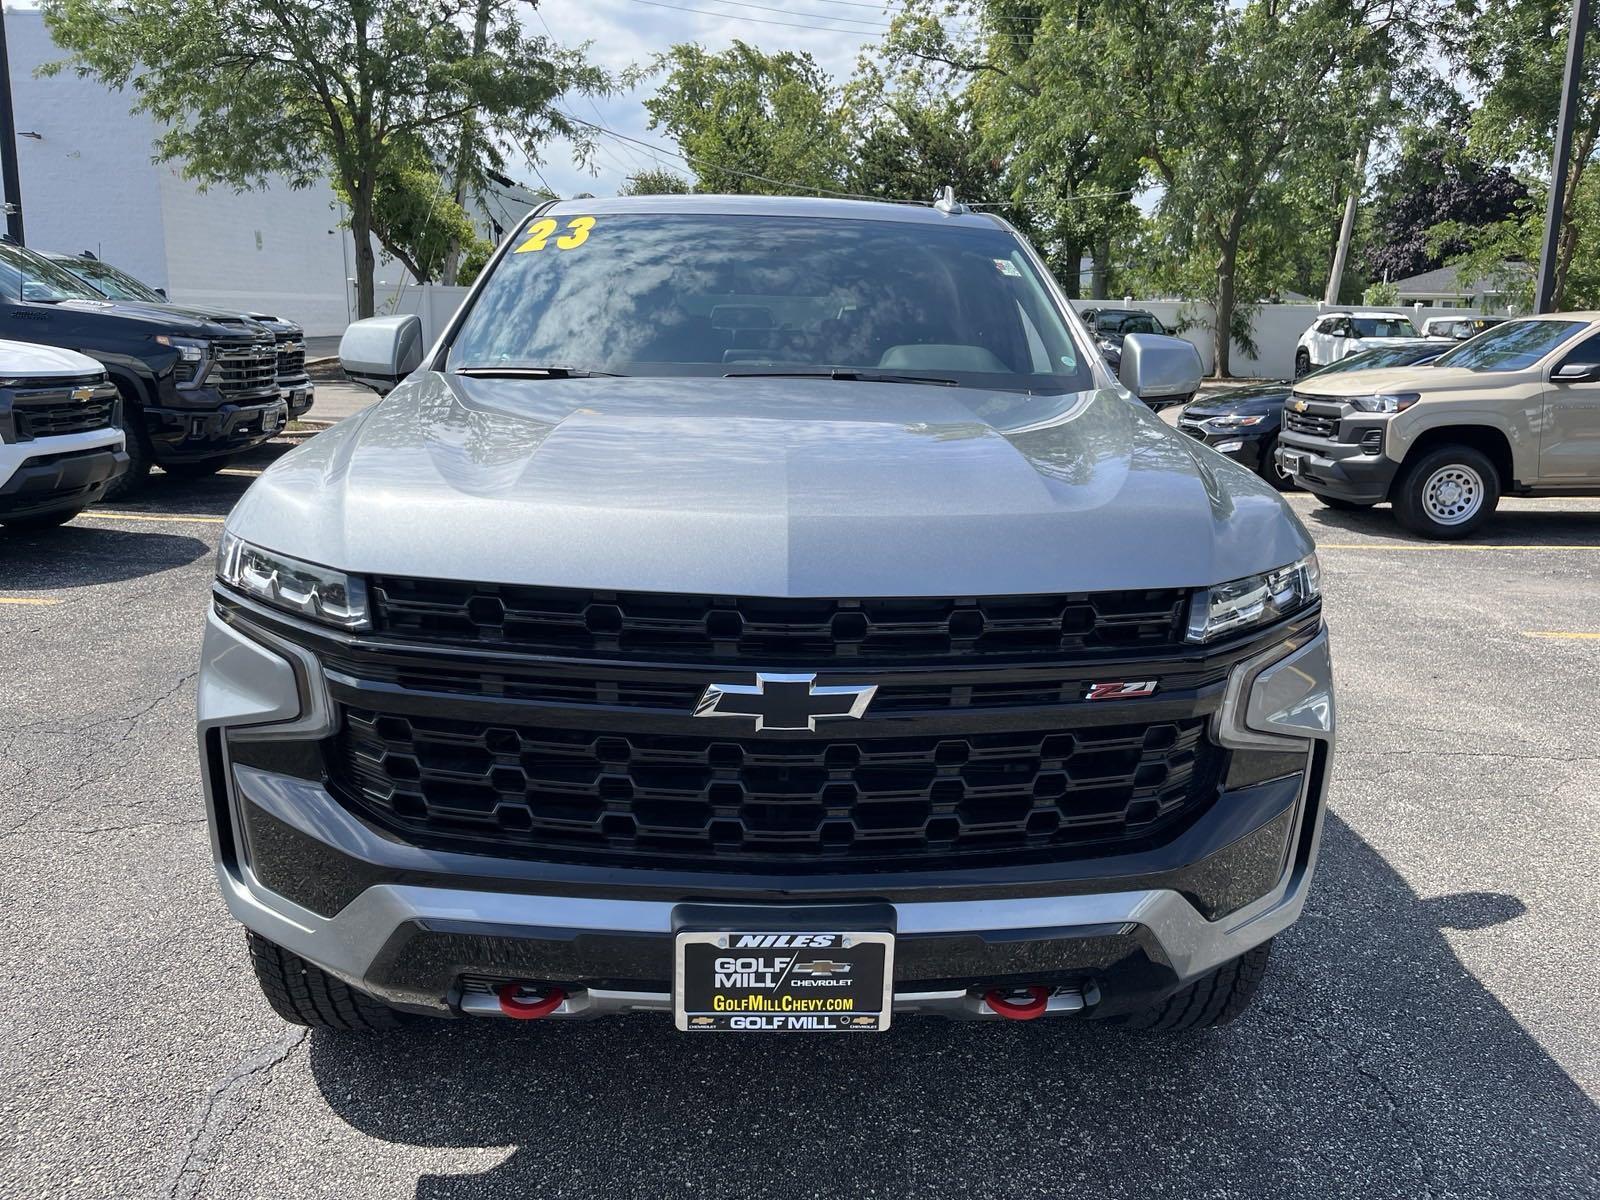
[321, 593]
[1254, 600]
[1385, 402]
[192, 355]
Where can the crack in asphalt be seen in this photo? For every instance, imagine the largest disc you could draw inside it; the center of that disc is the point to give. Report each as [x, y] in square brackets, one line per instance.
[210, 1129]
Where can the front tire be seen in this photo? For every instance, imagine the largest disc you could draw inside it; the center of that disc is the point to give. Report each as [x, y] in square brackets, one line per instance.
[1448, 493]
[139, 457]
[1302, 363]
[304, 994]
[1211, 1001]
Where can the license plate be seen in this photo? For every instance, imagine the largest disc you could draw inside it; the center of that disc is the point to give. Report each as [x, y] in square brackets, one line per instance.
[269, 420]
[764, 982]
[1291, 461]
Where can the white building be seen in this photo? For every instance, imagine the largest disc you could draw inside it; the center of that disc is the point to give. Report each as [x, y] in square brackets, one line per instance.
[89, 182]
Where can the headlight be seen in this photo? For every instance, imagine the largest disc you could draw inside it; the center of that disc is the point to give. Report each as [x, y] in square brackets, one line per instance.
[192, 353]
[1254, 600]
[1385, 402]
[324, 595]
[1224, 424]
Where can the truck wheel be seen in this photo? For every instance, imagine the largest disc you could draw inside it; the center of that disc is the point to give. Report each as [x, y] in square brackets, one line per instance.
[42, 521]
[1302, 362]
[304, 994]
[1208, 1002]
[1343, 505]
[198, 469]
[1448, 493]
[138, 470]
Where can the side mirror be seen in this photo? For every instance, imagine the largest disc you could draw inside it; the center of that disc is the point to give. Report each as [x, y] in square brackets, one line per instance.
[381, 351]
[1160, 369]
[162, 292]
[1576, 372]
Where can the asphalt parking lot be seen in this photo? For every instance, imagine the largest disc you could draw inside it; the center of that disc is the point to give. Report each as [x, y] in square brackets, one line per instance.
[1428, 1030]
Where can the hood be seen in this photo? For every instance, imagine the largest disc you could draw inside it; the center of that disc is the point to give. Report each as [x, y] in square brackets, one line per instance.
[1401, 379]
[767, 488]
[1254, 398]
[1372, 343]
[174, 318]
[29, 360]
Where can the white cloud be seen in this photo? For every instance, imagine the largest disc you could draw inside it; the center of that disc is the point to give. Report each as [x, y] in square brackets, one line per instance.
[628, 32]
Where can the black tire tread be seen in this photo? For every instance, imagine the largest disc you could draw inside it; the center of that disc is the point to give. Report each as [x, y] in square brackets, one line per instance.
[1214, 1000]
[305, 994]
[139, 453]
[1407, 498]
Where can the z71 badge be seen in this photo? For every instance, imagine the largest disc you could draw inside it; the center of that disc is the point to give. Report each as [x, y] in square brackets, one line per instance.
[1120, 690]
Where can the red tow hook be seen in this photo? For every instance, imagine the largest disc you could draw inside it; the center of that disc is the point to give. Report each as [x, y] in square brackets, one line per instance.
[1026, 1011]
[513, 1005]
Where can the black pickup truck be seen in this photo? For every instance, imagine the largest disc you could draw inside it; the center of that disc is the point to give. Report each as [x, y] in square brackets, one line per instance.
[196, 388]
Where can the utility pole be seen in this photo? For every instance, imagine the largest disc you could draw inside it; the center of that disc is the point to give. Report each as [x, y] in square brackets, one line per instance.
[8, 143]
[1346, 228]
[1544, 296]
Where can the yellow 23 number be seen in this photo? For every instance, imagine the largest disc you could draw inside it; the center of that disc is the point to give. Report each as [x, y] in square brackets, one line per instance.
[539, 234]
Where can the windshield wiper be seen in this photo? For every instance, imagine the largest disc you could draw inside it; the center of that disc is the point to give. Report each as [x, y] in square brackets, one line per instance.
[490, 371]
[843, 373]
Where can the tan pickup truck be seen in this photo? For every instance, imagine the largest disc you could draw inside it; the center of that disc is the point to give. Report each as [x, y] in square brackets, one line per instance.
[1514, 411]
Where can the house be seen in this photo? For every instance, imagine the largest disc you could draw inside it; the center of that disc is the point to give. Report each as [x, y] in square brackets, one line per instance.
[1445, 288]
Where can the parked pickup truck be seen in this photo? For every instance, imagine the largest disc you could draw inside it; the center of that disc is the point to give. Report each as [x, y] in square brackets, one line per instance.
[1514, 411]
[294, 384]
[60, 441]
[196, 388]
[772, 614]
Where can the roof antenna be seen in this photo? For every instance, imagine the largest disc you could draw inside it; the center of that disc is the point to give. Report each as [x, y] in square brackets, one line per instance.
[947, 202]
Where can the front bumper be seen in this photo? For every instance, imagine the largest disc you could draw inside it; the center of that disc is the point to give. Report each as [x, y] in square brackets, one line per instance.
[429, 930]
[187, 434]
[57, 473]
[298, 394]
[1338, 469]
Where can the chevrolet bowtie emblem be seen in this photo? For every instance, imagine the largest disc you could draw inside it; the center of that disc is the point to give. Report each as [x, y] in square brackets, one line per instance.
[785, 701]
[1299, 406]
[822, 966]
[82, 394]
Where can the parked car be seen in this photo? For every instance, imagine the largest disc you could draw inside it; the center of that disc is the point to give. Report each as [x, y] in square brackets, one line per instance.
[1111, 325]
[1459, 329]
[1339, 335]
[724, 620]
[196, 388]
[60, 441]
[1244, 422]
[294, 384]
[1516, 411]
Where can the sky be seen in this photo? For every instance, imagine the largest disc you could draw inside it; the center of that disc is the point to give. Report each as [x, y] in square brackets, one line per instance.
[632, 32]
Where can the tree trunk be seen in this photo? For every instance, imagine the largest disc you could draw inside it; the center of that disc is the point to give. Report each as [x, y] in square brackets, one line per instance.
[1221, 332]
[480, 39]
[1071, 273]
[1100, 278]
[366, 261]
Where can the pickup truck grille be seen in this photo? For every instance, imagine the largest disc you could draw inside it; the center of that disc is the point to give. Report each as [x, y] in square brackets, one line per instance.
[715, 801]
[248, 371]
[638, 625]
[1310, 424]
[56, 409]
[291, 359]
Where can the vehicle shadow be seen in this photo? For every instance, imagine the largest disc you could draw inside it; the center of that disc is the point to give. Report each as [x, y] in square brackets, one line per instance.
[1372, 1064]
[84, 555]
[1525, 524]
[206, 496]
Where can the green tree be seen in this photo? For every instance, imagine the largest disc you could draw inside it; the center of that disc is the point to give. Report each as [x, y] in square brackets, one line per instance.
[654, 181]
[342, 89]
[744, 114]
[415, 217]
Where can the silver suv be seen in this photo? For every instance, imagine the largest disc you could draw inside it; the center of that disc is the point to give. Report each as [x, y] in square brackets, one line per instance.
[770, 613]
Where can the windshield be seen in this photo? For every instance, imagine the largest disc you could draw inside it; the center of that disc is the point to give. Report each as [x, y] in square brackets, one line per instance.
[1127, 323]
[1379, 356]
[1383, 327]
[715, 295]
[111, 282]
[28, 276]
[1510, 347]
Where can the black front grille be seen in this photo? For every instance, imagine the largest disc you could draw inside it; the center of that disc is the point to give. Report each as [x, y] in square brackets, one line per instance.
[1310, 424]
[641, 625]
[245, 372]
[1194, 429]
[291, 359]
[61, 408]
[715, 801]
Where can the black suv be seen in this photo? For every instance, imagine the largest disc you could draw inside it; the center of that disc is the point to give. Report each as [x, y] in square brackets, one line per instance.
[294, 383]
[196, 388]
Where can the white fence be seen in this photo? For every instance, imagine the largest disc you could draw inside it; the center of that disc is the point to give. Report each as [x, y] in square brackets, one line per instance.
[1277, 327]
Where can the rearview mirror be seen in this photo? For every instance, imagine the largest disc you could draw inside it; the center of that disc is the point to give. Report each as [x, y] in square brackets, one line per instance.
[1159, 369]
[1576, 372]
[381, 351]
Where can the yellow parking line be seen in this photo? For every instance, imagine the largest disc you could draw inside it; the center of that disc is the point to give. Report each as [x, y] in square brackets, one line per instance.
[1438, 546]
[40, 601]
[125, 516]
[1560, 635]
